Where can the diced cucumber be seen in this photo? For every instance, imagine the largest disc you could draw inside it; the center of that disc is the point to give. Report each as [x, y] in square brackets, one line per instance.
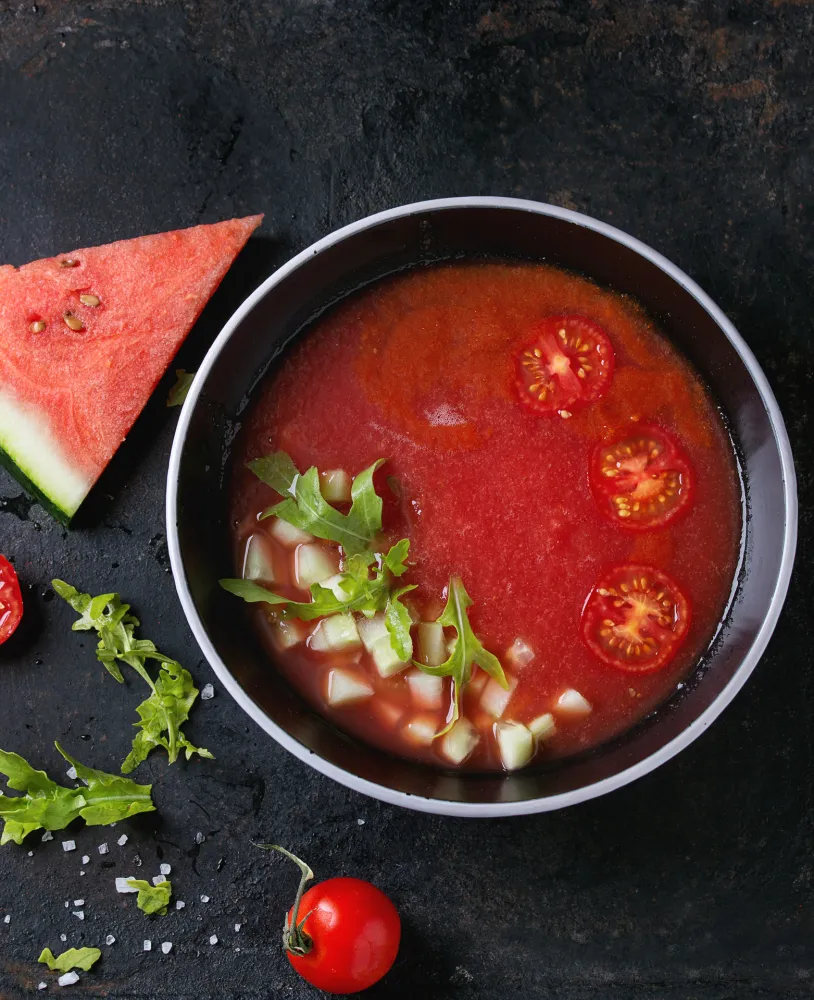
[495, 698]
[479, 681]
[460, 741]
[519, 654]
[257, 562]
[543, 727]
[312, 564]
[344, 687]
[571, 702]
[425, 689]
[371, 630]
[421, 730]
[334, 584]
[289, 632]
[335, 486]
[387, 660]
[286, 534]
[432, 648]
[515, 743]
[337, 632]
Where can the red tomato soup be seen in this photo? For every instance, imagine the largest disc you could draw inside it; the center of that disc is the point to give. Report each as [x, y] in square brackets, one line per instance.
[546, 445]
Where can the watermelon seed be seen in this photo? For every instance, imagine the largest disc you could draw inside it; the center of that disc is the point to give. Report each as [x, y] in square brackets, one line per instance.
[72, 322]
[37, 326]
[89, 300]
[69, 262]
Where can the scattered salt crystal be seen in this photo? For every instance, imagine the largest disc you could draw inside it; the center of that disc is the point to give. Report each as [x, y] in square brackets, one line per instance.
[207, 692]
[68, 979]
[166, 947]
[81, 873]
[237, 928]
[63, 937]
[103, 849]
[71, 772]
[67, 903]
[68, 845]
[7, 918]
[237, 949]
[165, 869]
[109, 940]
[122, 840]
[47, 836]
[360, 822]
[148, 945]
[79, 902]
[179, 904]
[42, 986]
[31, 854]
[204, 899]
[158, 879]
[213, 939]
[79, 914]
[122, 886]
[199, 838]
[137, 861]
[85, 859]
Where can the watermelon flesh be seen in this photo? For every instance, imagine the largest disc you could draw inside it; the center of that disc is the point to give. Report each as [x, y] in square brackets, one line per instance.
[84, 339]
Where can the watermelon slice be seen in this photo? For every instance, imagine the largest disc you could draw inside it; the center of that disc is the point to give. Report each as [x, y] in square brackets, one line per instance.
[85, 337]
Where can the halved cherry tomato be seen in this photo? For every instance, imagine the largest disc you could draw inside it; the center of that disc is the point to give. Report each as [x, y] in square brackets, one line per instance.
[349, 935]
[635, 619]
[643, 480]
[567, 364]
[11, 600]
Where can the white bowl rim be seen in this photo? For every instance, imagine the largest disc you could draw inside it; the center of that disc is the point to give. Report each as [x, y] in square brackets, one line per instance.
[543, 803]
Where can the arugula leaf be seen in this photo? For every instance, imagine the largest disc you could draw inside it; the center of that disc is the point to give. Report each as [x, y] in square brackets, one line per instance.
[307, 509]
[165, 711]
[396, 558]
[172, 693]
[251, 592]
[73, 958]
[46, 805]
[398, 621]
[179, 391]
[466, 651]
[152, 898]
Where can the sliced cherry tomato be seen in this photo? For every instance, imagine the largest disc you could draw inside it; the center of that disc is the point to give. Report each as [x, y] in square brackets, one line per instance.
[11, 600]
[635, 619]
[567, 364]
[643, 480]
[349, 936]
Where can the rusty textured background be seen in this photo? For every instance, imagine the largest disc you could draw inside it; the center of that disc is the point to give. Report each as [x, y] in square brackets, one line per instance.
[689, 124]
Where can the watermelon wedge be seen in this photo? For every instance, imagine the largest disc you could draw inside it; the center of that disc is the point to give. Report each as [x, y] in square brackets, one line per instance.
[85, 337]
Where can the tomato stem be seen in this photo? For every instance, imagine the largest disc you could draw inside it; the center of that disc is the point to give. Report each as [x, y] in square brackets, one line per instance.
[295, 938]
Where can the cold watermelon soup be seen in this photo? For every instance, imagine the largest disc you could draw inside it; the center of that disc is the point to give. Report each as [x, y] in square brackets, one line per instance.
[484, 514]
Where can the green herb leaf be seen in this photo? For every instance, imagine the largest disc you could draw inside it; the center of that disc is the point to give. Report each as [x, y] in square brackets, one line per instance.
[164, 712]
[73, 958]
[46, 805]
[152, 898]
[396, 558]
[172, 693]
[466, 651]
[398, 621]
[307, 509]
[179, 391]
[251, 592]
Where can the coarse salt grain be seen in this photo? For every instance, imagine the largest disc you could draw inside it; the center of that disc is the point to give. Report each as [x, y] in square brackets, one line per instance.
[158, 879]
[63, 937]
[71, 772]
[166, 947]
[148, 946]
[31, 854]
[85, 859]
[165, 869]
[179, 904]
[122, 886]
[122, 840]
[47, 836]
[68, 845]
[67, 904]
[204, 899]
[68, 979]
[237, 928]
[79, 914]
[42, 986]
[213, 939]
[207, 692]
[7, 918]
[137, 861]
[109, 940]
[103, 849]
[199, 838]
[360, 822]
[81, 873]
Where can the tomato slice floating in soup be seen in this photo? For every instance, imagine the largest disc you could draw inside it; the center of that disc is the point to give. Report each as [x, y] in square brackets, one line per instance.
[11, 600]
[643, 480]
[635, 619]
[567, 364]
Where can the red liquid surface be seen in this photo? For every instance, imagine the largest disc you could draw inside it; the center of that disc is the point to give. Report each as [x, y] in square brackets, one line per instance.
[419, 369]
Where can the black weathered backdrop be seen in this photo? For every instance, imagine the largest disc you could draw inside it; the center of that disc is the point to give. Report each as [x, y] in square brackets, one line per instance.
[686, 124]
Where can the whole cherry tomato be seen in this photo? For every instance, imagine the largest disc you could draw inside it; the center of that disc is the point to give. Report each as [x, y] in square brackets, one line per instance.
[349, 936]
[11, 600]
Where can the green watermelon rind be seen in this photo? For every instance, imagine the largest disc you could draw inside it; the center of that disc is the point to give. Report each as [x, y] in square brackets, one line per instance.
[33, 489]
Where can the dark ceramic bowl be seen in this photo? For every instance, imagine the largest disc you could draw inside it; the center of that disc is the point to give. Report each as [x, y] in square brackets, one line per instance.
[452, 228]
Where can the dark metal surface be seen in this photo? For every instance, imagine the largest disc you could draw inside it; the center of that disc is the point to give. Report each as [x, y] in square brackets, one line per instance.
[687, 125]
